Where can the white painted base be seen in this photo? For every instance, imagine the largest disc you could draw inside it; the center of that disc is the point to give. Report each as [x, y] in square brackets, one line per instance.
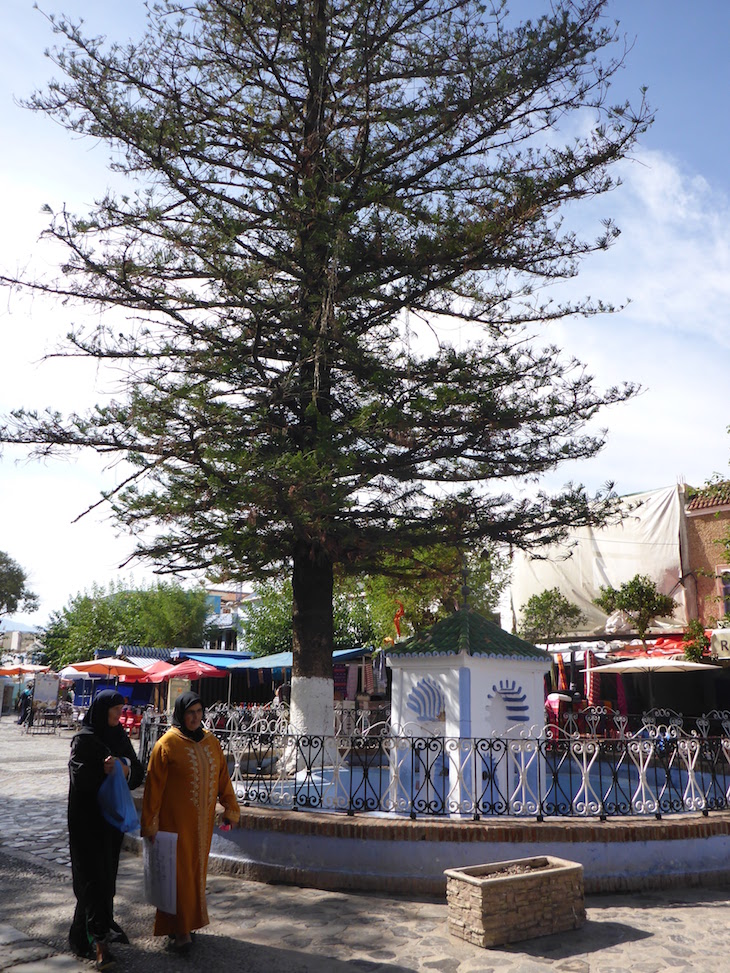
[398, 864]
[311, 712]
[312, 707]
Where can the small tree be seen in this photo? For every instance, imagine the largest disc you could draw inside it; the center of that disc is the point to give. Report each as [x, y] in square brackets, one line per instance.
[549, 615]
[14, 592]
[639, 599]
[695, 640]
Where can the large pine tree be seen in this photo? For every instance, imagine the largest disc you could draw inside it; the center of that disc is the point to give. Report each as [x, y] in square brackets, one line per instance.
[309, 178]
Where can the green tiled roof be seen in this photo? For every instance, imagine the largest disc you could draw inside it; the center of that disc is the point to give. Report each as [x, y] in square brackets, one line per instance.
[468, 631]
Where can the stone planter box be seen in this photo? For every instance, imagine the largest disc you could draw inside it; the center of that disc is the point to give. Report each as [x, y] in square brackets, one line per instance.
[505, 902]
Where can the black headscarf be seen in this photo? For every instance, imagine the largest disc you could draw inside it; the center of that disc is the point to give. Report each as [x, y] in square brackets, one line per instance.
[97, 715]
[183, 702]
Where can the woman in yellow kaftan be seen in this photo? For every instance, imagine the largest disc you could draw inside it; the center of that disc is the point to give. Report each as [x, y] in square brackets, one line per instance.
[187, 773]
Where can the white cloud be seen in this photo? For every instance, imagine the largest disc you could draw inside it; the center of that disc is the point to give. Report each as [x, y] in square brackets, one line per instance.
[673, 256]
[673, 261]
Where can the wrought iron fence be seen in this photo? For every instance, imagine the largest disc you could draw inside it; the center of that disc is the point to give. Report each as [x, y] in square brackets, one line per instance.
[661, 768]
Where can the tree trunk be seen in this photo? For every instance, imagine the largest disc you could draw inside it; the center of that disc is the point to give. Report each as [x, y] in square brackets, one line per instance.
[312, 695]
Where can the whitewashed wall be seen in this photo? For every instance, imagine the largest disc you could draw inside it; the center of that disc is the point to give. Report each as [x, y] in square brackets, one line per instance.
[464, 696]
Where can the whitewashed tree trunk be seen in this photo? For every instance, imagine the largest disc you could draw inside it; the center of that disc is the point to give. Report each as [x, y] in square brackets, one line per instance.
[312, 708]
[311, 713]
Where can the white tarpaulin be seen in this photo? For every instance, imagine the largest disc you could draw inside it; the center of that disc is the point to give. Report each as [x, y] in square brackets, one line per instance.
[646, 542]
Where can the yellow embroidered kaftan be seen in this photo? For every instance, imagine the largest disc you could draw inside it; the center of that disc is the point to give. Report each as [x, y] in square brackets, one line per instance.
[184, 779]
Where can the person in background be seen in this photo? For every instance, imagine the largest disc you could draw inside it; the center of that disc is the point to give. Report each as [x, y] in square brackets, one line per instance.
[95, 844]
[282, 696]
[187, 774]
[25, 701]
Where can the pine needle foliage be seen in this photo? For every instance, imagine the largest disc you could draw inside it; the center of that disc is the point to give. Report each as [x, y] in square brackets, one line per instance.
[323, 285]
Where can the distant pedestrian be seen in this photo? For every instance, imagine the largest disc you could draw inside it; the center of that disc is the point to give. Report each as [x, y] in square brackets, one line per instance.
[95, 844]
[282, 696]
[187, 773]
[25, 701]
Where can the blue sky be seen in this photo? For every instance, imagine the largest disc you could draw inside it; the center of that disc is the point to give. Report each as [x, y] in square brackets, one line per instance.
[672, 261]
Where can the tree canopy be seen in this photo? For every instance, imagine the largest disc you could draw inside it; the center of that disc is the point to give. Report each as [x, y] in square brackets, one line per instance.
[15, 595]
[330, 266]
[266, 621]
[436, 579]
[163, 615]
[639, 599]
[365, 608]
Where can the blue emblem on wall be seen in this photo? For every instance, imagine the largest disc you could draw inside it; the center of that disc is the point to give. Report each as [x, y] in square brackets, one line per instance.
[427, 701]
[514, 700]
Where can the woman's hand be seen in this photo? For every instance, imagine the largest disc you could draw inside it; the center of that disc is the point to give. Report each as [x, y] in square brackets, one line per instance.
[109, 765]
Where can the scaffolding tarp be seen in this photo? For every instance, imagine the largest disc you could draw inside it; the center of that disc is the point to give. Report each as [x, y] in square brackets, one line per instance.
[648, 541]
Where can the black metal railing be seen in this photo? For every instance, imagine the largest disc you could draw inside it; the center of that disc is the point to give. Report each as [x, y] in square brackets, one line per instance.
[657, 770]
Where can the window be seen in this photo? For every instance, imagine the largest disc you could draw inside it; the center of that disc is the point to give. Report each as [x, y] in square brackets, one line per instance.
[723, 587]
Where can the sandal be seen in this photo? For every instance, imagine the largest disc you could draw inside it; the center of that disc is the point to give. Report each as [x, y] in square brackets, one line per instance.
[179, 948]
[104, 959]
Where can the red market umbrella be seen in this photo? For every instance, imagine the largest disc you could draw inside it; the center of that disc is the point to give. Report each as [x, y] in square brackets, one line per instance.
[159, 666]
[189, 669]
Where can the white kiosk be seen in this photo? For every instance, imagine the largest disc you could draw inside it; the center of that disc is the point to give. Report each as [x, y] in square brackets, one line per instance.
[474, 685]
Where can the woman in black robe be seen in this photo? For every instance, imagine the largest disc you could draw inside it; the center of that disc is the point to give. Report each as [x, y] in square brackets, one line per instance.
[96, 844]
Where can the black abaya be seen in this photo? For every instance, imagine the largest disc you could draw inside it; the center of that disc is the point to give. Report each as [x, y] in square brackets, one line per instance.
[95, 844]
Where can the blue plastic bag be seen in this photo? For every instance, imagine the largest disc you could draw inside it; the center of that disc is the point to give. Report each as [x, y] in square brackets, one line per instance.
[116, 802]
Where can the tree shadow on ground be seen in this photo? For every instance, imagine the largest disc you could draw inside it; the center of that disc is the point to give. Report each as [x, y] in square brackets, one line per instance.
[39, 902]
[217, 952]
[684, 897]
[592, 937]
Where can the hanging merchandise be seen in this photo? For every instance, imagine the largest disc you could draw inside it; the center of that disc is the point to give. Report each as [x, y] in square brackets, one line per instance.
[379, 673]
[593, 680]
[352, 672]
[397, 617]
[367, 678]
[562, 676]
[339, 676]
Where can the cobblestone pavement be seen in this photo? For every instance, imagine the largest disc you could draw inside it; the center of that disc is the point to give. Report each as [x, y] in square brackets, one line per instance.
[272, 929]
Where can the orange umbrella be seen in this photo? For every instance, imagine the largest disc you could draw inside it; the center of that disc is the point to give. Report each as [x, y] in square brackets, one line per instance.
[112, 668]
[22, 670]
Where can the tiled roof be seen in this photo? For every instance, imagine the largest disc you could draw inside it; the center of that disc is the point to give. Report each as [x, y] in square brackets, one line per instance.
[717, 495]
[132, 652]
[468, 631]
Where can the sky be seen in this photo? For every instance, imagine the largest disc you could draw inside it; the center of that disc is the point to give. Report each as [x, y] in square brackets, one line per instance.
[671, 263]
